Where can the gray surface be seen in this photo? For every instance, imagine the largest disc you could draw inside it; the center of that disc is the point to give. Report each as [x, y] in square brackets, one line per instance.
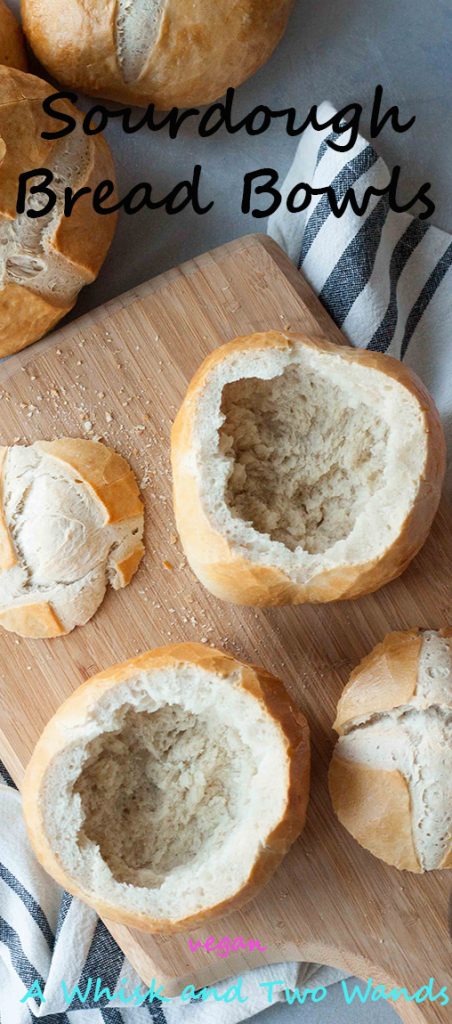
[337, 50]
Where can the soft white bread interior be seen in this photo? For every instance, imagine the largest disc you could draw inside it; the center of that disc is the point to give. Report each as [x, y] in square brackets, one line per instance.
[71, 522]
[45, 261]
[391, 773]
[12, 46]
[167, 790]
[165, 52]
[303, 471]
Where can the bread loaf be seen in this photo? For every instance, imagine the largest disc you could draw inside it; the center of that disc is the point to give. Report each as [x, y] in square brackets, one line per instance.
[303, 471]
[45, 261]
[168, 789]
[71, 521]
[12, 48]
[165, 52]
[391, 772]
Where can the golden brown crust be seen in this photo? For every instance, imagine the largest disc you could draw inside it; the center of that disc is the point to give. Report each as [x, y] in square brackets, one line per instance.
[25, 317]
[385, 679]
[85, 237]
[127, 568]
[268, 690]
[12, 45]
[35, 621]
[372, 803]
[231, 577]
[375, 807]
[201, 49]
[82, 240]
[106, 473]
[8, 557]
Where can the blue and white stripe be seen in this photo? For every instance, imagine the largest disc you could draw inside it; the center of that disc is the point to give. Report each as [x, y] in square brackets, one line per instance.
[47, 936]
[384, 277]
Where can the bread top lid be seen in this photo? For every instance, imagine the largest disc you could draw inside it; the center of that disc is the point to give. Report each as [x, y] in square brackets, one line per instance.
[395, 725]
[409, 669]
[305, 456]
[165, 785]
[52, 256]
[71, 520]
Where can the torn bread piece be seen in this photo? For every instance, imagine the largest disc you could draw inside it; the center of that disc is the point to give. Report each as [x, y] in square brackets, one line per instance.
[71, 522]
[303, 471]
[167, 790]
[391, 772]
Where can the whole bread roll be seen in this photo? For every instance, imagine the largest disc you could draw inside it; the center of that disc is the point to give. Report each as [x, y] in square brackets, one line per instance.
[71, 522]
[391, 772]
[303, 471]
[165, 52]
[44, 262]
[167, 790]
[12, 47]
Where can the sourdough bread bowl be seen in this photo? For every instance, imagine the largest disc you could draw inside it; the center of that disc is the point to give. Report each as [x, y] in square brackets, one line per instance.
[391, 772]
[71, 522]
[45, 261]
[303, 471]
[167, 790]
[165, 52]
[12, 46]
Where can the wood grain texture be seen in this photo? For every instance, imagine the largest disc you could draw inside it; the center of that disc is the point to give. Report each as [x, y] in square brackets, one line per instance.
[120, 374]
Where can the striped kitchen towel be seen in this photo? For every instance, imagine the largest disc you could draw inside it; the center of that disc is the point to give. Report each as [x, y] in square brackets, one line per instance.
[385, 277]
[51, 940]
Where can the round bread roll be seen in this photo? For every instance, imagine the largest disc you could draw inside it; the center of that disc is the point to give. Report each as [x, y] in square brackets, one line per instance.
[71, 522]
[12, 47]
[168, 789]
[303, 471]
[391, 772]
[165, 52]
[45, 261]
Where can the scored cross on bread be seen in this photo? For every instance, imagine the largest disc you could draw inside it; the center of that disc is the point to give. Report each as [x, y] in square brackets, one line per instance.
[391, 772]
[45, 259]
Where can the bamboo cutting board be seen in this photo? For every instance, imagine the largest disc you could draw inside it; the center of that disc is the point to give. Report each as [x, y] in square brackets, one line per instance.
[120, 374]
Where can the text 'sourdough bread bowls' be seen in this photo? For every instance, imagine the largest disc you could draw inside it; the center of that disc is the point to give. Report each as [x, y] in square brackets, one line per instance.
[165, 52]
[45, 260]
[168, 789]
[71, 522]
[12, 47]
[303, 470]
[391, 772]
